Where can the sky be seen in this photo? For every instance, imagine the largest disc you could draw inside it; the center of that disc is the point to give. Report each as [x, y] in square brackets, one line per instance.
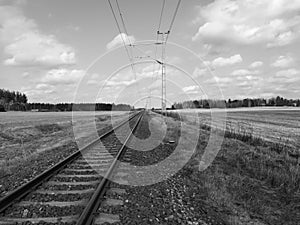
[72, 51]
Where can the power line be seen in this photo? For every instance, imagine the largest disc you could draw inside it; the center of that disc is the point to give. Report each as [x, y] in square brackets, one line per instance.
[120, 31]
[124, 26]
[161, 14]
[170, 27]
[131, 59]
[157, 35]
[175, 14]
[165, 36]
[130, 56]
[173, 19]
[128, 39]
[121, 16]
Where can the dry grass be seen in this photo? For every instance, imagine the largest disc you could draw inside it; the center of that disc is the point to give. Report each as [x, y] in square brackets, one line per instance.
[24, 135]
[253, 180]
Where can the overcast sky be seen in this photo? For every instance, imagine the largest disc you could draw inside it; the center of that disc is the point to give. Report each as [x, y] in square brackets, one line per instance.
[235, 49]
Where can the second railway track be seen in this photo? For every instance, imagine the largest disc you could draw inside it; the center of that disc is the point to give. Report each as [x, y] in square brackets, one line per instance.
[72, 191]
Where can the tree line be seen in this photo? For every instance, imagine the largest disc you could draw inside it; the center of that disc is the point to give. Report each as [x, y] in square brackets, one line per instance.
[78, 107]
[237, 103]
[12, 100]
[16, 101]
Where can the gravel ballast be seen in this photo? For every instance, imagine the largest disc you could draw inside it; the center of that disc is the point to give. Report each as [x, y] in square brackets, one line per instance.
[176, 200]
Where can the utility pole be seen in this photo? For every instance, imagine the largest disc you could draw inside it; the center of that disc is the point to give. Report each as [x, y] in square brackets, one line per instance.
[163, 72]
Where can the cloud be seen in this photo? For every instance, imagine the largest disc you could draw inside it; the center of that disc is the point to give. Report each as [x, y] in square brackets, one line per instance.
[42, 86]
[95, 79]
[219, 81]
[63, 76]
[287, 76]
[233, 21]
[226, 61]
[26, 74]
[25, 45]
[121, 79]
[191, 89]
[283, 62]
[112, 83]
[199, 72]
[256, 64]
[222, 81]
[34, 49]
[118, 40]
[42, 93]
[244, 72]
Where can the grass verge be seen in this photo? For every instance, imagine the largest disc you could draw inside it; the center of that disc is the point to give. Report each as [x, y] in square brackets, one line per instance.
[254, 181]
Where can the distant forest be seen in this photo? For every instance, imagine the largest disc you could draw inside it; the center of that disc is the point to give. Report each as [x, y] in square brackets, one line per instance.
[256, 102]
[11, 100]
[16, 101]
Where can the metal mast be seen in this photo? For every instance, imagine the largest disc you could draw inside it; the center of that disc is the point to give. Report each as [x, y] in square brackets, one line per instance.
[163, 72]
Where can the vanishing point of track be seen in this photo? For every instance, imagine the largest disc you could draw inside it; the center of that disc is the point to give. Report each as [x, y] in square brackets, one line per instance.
[71, 191]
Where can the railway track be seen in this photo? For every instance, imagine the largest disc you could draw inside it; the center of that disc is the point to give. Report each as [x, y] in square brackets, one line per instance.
[72, 191]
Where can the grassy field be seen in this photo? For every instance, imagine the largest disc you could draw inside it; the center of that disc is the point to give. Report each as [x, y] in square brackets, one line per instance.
[280, 125]
[23, 134]
[253, 179]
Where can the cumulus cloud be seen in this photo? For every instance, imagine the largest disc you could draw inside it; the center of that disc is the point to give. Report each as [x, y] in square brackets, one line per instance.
[287, 76]
[118, 40]
[191, 89]
[34, 49]
[223, 80]
[113, 83]
[244, 72]
[42, 86]
[256, 64]
[63, 76]
[226, 61]
[199, 72]
[95, 79]
[283, 62]
[25, 45]
[219, 82]
[241, 22]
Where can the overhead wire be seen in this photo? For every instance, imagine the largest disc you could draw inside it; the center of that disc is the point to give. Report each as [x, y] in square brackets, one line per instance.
[157, 35]
[124, 26]
[119, 28]
[131, 59]
[131, 45]
[161, 14]
[130, 56]
[175, 14]
[173, 19]
[170, 27]
[127, 37]
[165, 37]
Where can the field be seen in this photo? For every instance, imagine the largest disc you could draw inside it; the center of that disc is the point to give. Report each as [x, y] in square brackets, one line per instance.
[23, 134]
[279, 125]
[251, 181]
[255, 178]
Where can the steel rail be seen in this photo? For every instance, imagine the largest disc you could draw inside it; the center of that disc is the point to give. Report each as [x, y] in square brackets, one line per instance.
[88, 215]
[25, 189]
